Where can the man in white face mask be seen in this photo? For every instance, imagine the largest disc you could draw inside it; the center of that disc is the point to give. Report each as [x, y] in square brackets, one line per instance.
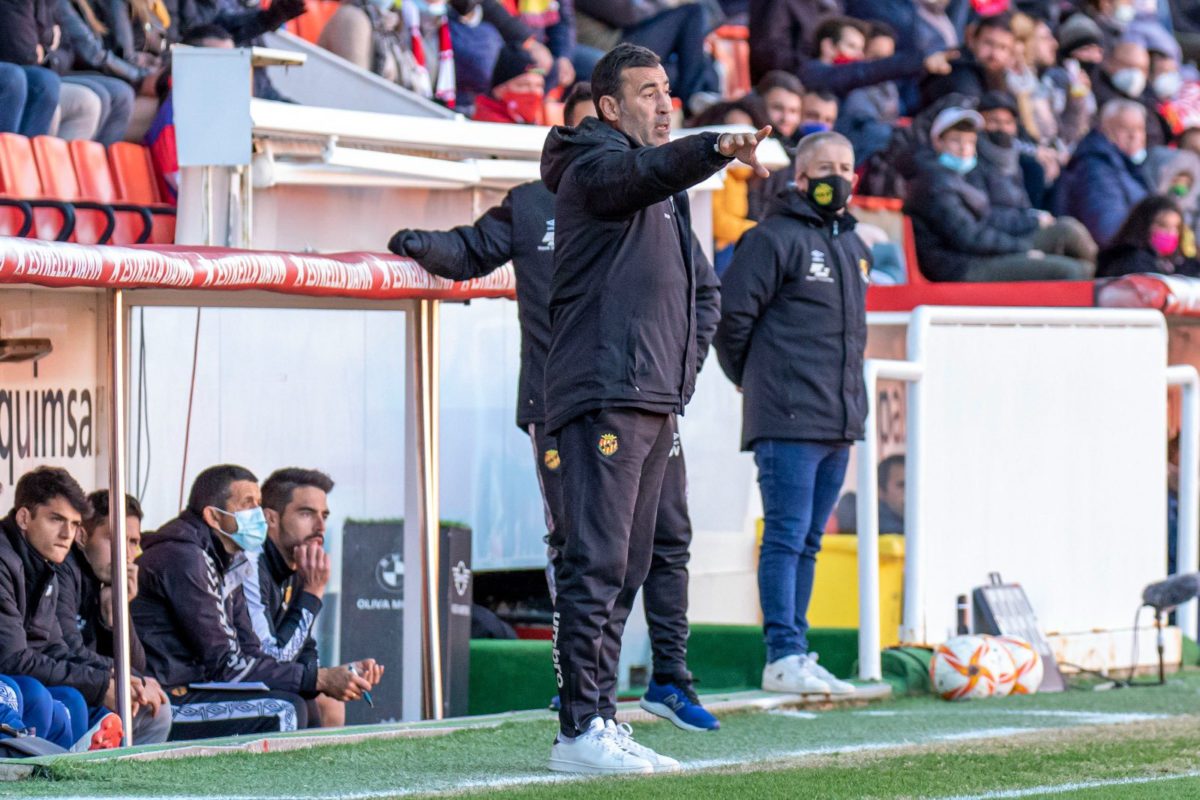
[1125, 75]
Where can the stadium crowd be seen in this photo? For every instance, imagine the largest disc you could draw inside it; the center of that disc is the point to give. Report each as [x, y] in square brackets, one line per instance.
[224, 601]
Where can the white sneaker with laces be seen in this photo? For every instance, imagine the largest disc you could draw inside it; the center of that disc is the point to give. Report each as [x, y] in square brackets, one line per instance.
[596, 751]
[791, 674]
[624, 735]
[836, 685]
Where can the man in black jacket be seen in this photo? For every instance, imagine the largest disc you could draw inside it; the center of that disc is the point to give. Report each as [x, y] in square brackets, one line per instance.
[191, 614]
[85, 580]
[985, 66]
[521, 229]
[622, 362]
[792, 334]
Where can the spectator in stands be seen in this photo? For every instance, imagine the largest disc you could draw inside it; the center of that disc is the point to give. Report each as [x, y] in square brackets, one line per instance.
[838, 64]
[731, 204]
[553, 25]
[1104, 178]
[1178, 177]
[1150, 240]
[781, 93]
[517, 93]
[1165, 77]
[869, 115]
[85, 612]
[999, 174]
[793, 328]
[673, 29]
[818, 112]
[287, 581]
[1125, 75]
[984, 66]
[1060, 104]
[189, 571]
[28, 96]
[782, 31]
[956, 236]
[48, 509]
[890, 476]
[478, 29]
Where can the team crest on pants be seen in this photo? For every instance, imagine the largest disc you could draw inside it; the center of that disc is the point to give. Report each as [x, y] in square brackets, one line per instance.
[552, 460]
[608, 444]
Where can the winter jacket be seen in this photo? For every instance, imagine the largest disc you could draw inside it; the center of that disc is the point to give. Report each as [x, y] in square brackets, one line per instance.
[731, 207]
[951, 224]
[24, 24]
[623, 298]
[1129, 259]
[489, 109]
[841, 79]
[781, 32]
[79, 615]
[867, 118]
[191, 613]
[966, 78]
[521, 230]
[31, 639]
[282, 613]
[793, 325]
[1099, 186]
[626, 13]
[999, 176]
[85, 50]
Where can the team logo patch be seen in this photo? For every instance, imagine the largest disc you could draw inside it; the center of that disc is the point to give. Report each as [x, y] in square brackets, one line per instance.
[823, 194]
[179, 691]
[864, 269]
[552, 460]
[608, 444]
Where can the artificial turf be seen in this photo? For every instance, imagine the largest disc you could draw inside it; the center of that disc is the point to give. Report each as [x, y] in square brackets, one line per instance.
[914, 747]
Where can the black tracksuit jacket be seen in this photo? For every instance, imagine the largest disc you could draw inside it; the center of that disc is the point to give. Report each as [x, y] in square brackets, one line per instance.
[521, 229]
[31, 639]
[191, 614]
[79, 616]
[623, 297]
[282, 613]
[793, 325]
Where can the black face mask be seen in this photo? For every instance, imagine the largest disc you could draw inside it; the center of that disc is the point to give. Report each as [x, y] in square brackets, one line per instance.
[830, 193]
[1000, 139]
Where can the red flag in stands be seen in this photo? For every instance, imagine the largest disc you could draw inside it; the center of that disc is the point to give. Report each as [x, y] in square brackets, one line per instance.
[446, 79]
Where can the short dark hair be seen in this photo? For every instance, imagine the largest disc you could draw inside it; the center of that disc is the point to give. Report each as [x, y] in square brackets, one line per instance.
[1001, 22]
[609, 71]
[212, 486]
[581, 92]
[886, 466]
[833, 28]
[824, 95]
[99, 501]
[1135, 230]
[778, 79]
[277, 490]
[198, 33]
[880, 30]
[40, 486]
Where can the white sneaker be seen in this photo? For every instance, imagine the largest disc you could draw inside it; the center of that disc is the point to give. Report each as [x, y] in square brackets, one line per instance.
[596, 751]
[624, 735]
[836, 685]
[791, 674]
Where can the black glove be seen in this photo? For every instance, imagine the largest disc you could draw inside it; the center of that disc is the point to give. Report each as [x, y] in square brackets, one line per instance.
[283, 10]
[408, 243]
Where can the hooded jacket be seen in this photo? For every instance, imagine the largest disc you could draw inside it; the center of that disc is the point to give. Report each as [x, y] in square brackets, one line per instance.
[282, 613]
[521, 230]
[1099, 187]
[623, 297]
[191, 613]
[79, 615]
[793, 325]
[31, 639]
[999, 176]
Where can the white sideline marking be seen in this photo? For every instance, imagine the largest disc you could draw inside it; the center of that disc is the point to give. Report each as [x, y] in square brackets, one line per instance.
[783, 712]
[1068, 788]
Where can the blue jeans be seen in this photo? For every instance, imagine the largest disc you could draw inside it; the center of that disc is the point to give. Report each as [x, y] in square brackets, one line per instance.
[799, 482]
[28, 99]
[43, 713]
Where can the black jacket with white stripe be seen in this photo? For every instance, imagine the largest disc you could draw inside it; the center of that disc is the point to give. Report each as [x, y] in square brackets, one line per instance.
[282, 613]
[191, 614]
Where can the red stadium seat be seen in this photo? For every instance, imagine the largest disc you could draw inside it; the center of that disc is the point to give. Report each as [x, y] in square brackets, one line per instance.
[134, 175]
[20, 182]
[94, 222]
[134, 224]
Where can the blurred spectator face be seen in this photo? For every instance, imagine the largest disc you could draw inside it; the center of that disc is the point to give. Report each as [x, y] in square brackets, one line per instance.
[1088, 54]
[643, 111]
[580, 112]
[993, 49]
[219, 43]
[1129, 68]
[1164, 232]
[1190, 140]
[737, 117]
[783, 109]
[891, 491]
[525, 96]
[1164, 76]
[817, 114]
[97, 546]
[1044, 47]
[881, 47]
[999, 120]
[1127, 131]
[960, 144]
[1181, 184]
[849, 47]
[529, 83]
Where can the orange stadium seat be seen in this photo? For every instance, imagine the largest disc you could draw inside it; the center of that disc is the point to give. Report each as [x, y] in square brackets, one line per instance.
[730, 46]
[95, 222]
[20, 181]
[134, 175]
[89, 160]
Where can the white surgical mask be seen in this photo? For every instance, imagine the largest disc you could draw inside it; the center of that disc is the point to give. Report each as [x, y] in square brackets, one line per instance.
[1139, 157]
[1167, 85]
[1124, 14]
[1129, 81]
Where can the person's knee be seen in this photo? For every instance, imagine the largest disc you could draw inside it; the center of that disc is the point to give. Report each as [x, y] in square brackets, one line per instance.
[121, 96]
[348, 34]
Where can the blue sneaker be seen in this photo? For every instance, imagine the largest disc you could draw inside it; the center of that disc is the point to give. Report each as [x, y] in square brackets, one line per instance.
[678, 703]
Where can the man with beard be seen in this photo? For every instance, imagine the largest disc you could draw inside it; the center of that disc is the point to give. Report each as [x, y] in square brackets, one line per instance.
[991, 47]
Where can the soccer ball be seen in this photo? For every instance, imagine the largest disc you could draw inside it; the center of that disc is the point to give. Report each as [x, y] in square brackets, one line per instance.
[968, 668]
[1006, 674]
[1027, 662]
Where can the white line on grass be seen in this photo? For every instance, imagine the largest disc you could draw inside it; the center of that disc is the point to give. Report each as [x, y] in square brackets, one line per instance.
[1068, 788]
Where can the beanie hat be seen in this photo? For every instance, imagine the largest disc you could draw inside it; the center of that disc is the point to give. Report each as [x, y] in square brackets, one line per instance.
[1078, 31]
[513, 62]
